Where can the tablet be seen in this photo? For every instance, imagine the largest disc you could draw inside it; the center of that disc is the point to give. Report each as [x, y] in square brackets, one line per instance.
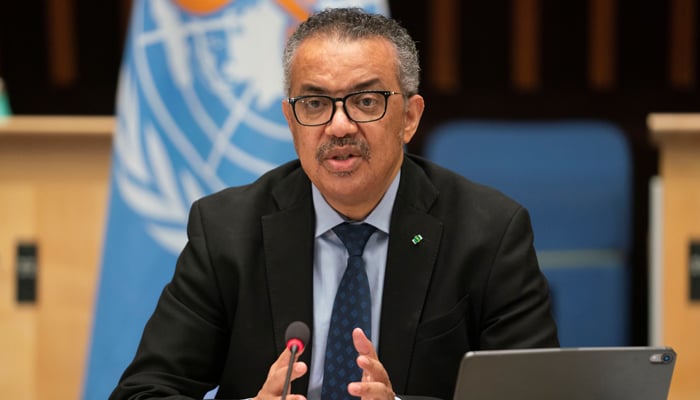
[615, 373]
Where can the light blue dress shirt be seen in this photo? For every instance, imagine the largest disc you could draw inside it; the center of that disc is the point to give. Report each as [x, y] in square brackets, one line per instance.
[330, 260]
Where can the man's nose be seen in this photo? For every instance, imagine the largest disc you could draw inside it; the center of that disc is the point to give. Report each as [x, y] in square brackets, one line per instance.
[341, 125]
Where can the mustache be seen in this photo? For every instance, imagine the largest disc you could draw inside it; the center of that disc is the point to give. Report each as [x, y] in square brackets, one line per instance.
[336, 142]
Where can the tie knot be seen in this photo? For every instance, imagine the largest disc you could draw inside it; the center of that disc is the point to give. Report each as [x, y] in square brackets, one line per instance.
[354, 236]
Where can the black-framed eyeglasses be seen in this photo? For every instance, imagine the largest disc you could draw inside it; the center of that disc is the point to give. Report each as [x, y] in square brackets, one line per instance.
[364, 106]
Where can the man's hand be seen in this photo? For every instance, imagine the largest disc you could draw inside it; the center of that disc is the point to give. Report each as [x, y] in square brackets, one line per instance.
[272, 388]
[375, 380]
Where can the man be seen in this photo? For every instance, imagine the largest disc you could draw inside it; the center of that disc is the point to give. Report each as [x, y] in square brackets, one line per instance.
[450, 264]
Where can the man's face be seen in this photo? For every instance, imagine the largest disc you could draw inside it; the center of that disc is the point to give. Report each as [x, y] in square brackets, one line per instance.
[352, 173]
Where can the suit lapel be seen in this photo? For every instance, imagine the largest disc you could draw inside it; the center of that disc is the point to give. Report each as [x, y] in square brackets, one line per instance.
[288, 240]
[409, 268]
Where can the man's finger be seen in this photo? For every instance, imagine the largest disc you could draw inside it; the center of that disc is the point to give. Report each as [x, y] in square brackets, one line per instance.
[362, 344]
[276, 376]
[375, 380]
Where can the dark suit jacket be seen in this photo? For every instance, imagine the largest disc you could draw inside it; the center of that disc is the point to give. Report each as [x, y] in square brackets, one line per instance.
[472, 283]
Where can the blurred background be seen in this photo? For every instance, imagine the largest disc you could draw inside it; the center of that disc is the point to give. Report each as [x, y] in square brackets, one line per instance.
[615, 61]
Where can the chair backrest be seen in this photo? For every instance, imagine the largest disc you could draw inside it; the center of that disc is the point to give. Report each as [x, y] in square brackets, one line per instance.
[575, 179]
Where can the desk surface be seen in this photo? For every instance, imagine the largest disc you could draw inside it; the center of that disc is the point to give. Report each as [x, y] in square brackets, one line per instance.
[664, 125]
[57, 125]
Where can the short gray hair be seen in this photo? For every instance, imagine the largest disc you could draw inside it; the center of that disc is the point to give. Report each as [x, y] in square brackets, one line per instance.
[355, 24]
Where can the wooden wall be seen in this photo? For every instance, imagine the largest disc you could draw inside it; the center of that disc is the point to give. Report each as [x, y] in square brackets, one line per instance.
[545, 43]
[496, 50]
[678, 138]
[53, 193]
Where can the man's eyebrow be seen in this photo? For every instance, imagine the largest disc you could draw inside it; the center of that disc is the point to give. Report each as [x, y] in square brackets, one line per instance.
[313, 89]
[371, 84]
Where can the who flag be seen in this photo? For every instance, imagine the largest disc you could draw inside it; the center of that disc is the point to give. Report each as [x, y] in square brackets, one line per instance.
[198, 109]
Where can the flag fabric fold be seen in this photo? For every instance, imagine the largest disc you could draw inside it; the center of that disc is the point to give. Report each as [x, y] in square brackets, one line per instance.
[198, 109]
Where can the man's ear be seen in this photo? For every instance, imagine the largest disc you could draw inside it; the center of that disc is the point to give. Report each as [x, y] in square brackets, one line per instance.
[288, 112]
[414, 112]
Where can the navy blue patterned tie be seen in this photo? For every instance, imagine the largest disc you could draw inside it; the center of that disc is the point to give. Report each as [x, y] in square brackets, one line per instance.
[352, 308]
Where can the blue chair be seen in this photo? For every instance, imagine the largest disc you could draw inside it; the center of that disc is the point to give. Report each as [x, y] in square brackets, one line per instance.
[575, 178]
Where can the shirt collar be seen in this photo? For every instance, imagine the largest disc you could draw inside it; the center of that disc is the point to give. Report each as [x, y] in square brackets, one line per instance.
[327, 217]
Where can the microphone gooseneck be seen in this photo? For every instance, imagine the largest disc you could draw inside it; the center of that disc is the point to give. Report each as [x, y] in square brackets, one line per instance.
[296, 336]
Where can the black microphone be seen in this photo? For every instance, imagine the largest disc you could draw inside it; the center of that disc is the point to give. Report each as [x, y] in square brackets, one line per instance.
[296, 336]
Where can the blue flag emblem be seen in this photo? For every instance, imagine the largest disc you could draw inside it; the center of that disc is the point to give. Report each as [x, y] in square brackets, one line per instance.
[198, 109]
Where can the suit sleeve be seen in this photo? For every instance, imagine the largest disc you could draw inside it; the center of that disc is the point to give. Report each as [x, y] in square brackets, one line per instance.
[517, 306]
[184, 342]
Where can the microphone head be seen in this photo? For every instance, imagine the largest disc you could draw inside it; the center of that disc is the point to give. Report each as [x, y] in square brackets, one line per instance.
[297, 334]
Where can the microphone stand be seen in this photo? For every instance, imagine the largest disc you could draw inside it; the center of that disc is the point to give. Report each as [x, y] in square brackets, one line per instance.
[285, 389]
